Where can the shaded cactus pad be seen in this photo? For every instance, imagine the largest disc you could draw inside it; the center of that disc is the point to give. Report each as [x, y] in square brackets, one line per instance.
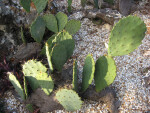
[16, 85]
[105, 72]
[45, 82]
[126, 36]
[37, 29]
[40, 5]
[59, 56]
[26, 4]
[31, 69]
[69, 99]
[73, 26]
[88, 72]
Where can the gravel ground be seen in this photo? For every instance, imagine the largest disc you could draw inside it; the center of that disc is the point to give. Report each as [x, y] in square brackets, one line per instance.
[132, 83]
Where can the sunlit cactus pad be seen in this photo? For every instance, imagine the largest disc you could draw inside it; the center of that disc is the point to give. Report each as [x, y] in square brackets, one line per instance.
[88, 72]
[105, 72]
[31, 69]
[69, 99]
[17, 85]
[126, 36]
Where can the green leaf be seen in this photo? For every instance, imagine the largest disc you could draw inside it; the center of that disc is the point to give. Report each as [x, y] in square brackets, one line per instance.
[88, 72]
[37, 29]
[105, 72]
[30, 108]
[51, 22]
[17, 85]
[26, 4]
[22, 36]
[73, 26]
[40, 5]
[62, 20]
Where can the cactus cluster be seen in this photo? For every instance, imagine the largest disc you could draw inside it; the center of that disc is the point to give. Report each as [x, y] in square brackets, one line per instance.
[123, 40]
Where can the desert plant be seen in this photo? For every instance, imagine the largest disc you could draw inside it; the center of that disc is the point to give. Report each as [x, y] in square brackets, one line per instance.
[88, 72]
[75, 76]
[69, 99]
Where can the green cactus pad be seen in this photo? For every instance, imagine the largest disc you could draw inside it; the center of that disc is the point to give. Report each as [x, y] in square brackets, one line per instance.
[126, 36]
[61, 20]
[88, 72]
[65, 39]
[69, 99]
[105, 72]
[51, 22]
[75, 76]
[45, 82]
[26, 4]
[40, 5]
[37, 29]
[69, 5]
[25, 87]
[48, 55]
[59, 56]
[17, 85]
[49, 42]
[73, 26]
[31, 69]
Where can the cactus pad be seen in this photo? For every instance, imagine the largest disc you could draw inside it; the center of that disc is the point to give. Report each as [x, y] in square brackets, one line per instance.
[88, 72]
[17, 85]
[26, 4]
[51, 22]
[105, 72]
[45, 82]
[69, 99]
[65, 39]
[49, 57]
[126, 36]
[61, 20]
[59, 56]
[31, 69]
[73, 26]
[37, 29]
[40, 5]
[49, 42]
[75, 76]
[25, 87]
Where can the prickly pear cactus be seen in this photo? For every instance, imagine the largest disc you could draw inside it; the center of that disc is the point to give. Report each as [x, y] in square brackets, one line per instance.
[49, 42]
[73, 26]
[62, 20]
[51, 22]
[25, 87]
[59, 56]
[88, 72]
[31, 69]
[105, 72]
[69, 99]
[126, 36]
[40, 5]
[69, 5]
[48, 55]
[45, 82]
[26, 4]
[75, 76]
[17, 85]
[65, 39]
[37, 29]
